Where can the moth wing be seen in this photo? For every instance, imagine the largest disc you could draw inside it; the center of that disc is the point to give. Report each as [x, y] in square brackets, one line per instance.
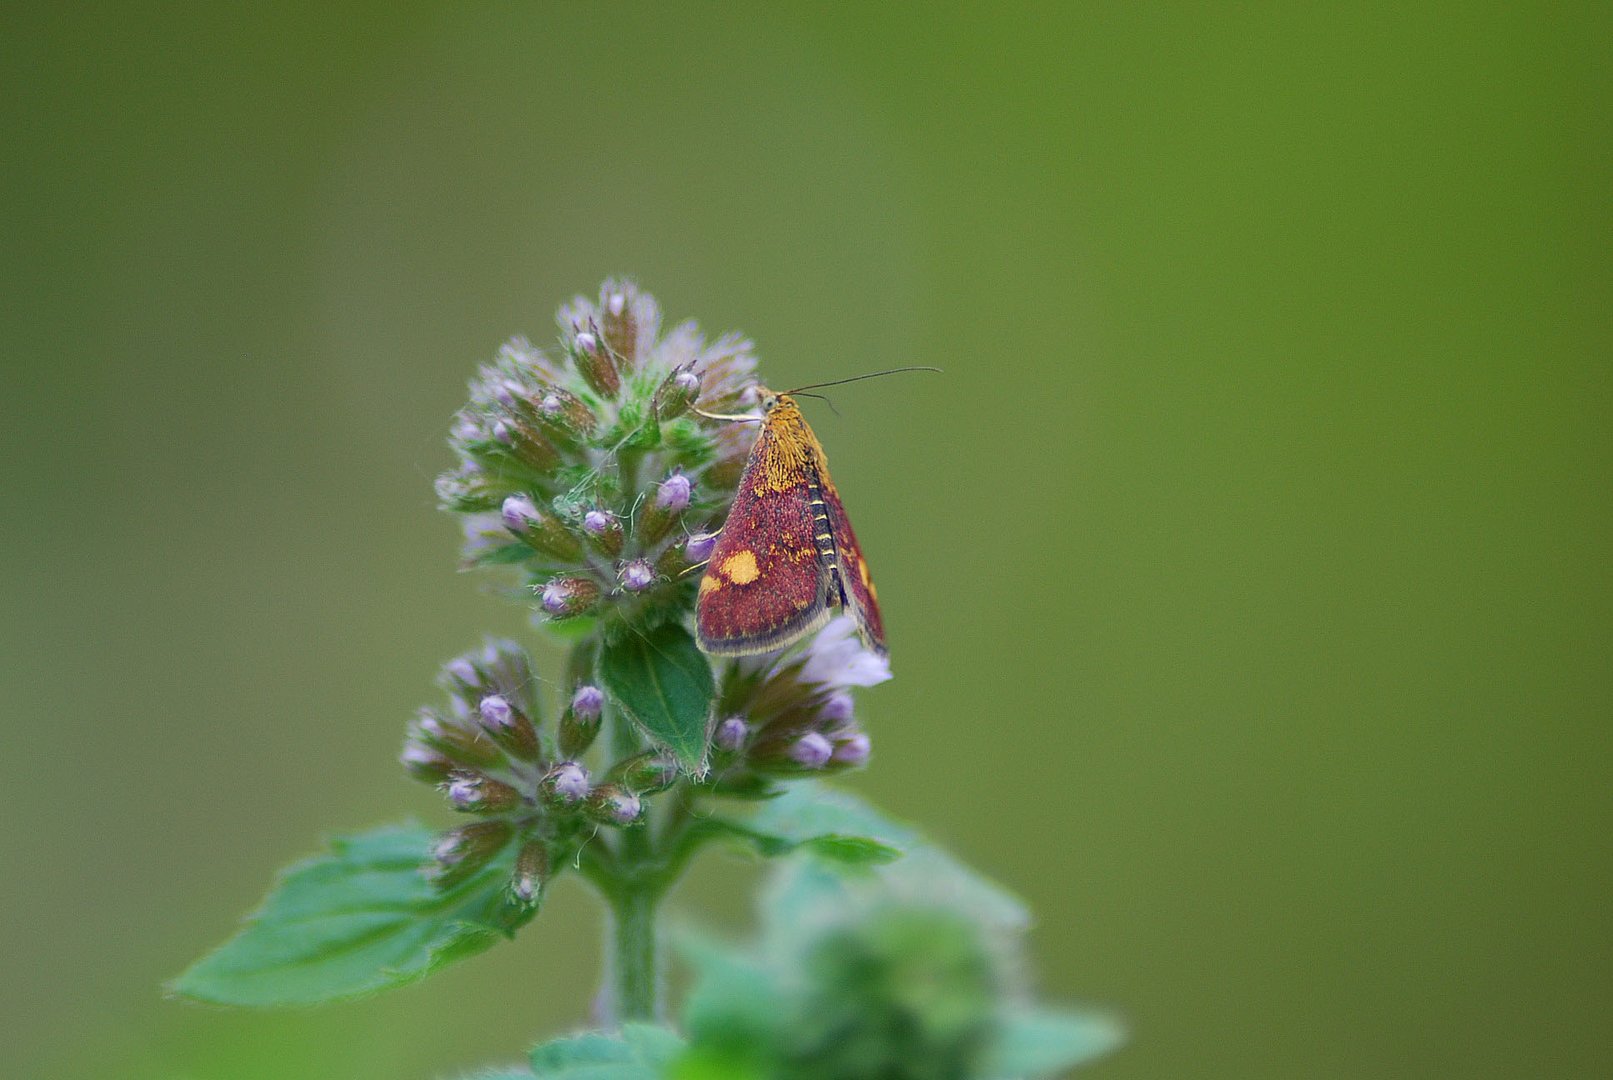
[860, 598]
[764, 586]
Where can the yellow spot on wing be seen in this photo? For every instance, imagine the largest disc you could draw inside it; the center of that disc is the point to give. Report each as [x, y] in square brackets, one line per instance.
[740, 567]
[709, 584]
[862, 572]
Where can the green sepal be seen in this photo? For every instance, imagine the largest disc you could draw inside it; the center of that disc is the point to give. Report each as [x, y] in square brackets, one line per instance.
[360, 919]
[663, 683]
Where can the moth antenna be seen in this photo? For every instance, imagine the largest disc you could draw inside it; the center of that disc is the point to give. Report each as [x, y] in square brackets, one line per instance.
[870, 375]
[823, 398]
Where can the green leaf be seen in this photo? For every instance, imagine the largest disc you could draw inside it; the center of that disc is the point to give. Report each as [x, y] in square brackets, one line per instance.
[638, 1053]
[731, 999]
[663, 682]
[1040, 1042]
[835, 847]
[360, 919]
[807, 893]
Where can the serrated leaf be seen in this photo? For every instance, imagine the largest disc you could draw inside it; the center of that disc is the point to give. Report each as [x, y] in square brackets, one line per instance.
[1035, 1042]
[638, 1053]
[663, 682]
[360, 919]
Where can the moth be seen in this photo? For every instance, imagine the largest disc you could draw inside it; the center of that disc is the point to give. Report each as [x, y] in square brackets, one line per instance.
[786, 556]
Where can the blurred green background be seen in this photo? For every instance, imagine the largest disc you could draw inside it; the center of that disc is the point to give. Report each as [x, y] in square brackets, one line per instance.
[1247, 573]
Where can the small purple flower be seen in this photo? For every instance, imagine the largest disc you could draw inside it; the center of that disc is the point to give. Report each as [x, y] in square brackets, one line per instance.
[568, 781]
[687, 382]
[551, 405]
[463, 670]
[731, 734]
[637, 575]
[502, 432]
[700, 547]
[811, 751]
[616, 303]
[853, 750]
[519, 513]
[587, 701]
[673, 494]
[598, 522]
[836, 658]
[836, 709]
[587, 342]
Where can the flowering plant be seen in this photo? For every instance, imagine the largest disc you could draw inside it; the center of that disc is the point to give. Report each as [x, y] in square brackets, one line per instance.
[597, 474]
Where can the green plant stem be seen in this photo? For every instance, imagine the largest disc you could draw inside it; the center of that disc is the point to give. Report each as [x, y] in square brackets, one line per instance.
[632, 892]
[633, 950]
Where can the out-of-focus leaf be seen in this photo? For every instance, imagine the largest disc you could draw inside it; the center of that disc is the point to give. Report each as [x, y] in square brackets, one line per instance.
[640, 1052]
[1035, 1042]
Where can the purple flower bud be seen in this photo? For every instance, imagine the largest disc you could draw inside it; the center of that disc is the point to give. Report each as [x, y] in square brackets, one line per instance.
[568, 596]
[811, 751]
[509, 728]
[624, 807]
[463, 670]
[467, 429]
[519, 514]
[531, 872]
[673, 495]
[731, 734]
[836, 708]
[424, 763]
[700, 547]
[462, 851]
[587, 342]
[551, 405]
[616, 303]
[503, 433]
[613, 806]
[507, 393]
[464, 791]
[566, 783]
[496, 712]
[638, 575]
[587, 702]
[677, 393]
[598, 522]
[852, 751]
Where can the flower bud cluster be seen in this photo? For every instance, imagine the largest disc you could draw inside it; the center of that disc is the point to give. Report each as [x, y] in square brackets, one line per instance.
[792, 714]
[492, 757]
[586, 466]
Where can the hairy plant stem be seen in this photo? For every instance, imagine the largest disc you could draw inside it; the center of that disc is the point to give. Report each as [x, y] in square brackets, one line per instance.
[632, 892]
[633, 978]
